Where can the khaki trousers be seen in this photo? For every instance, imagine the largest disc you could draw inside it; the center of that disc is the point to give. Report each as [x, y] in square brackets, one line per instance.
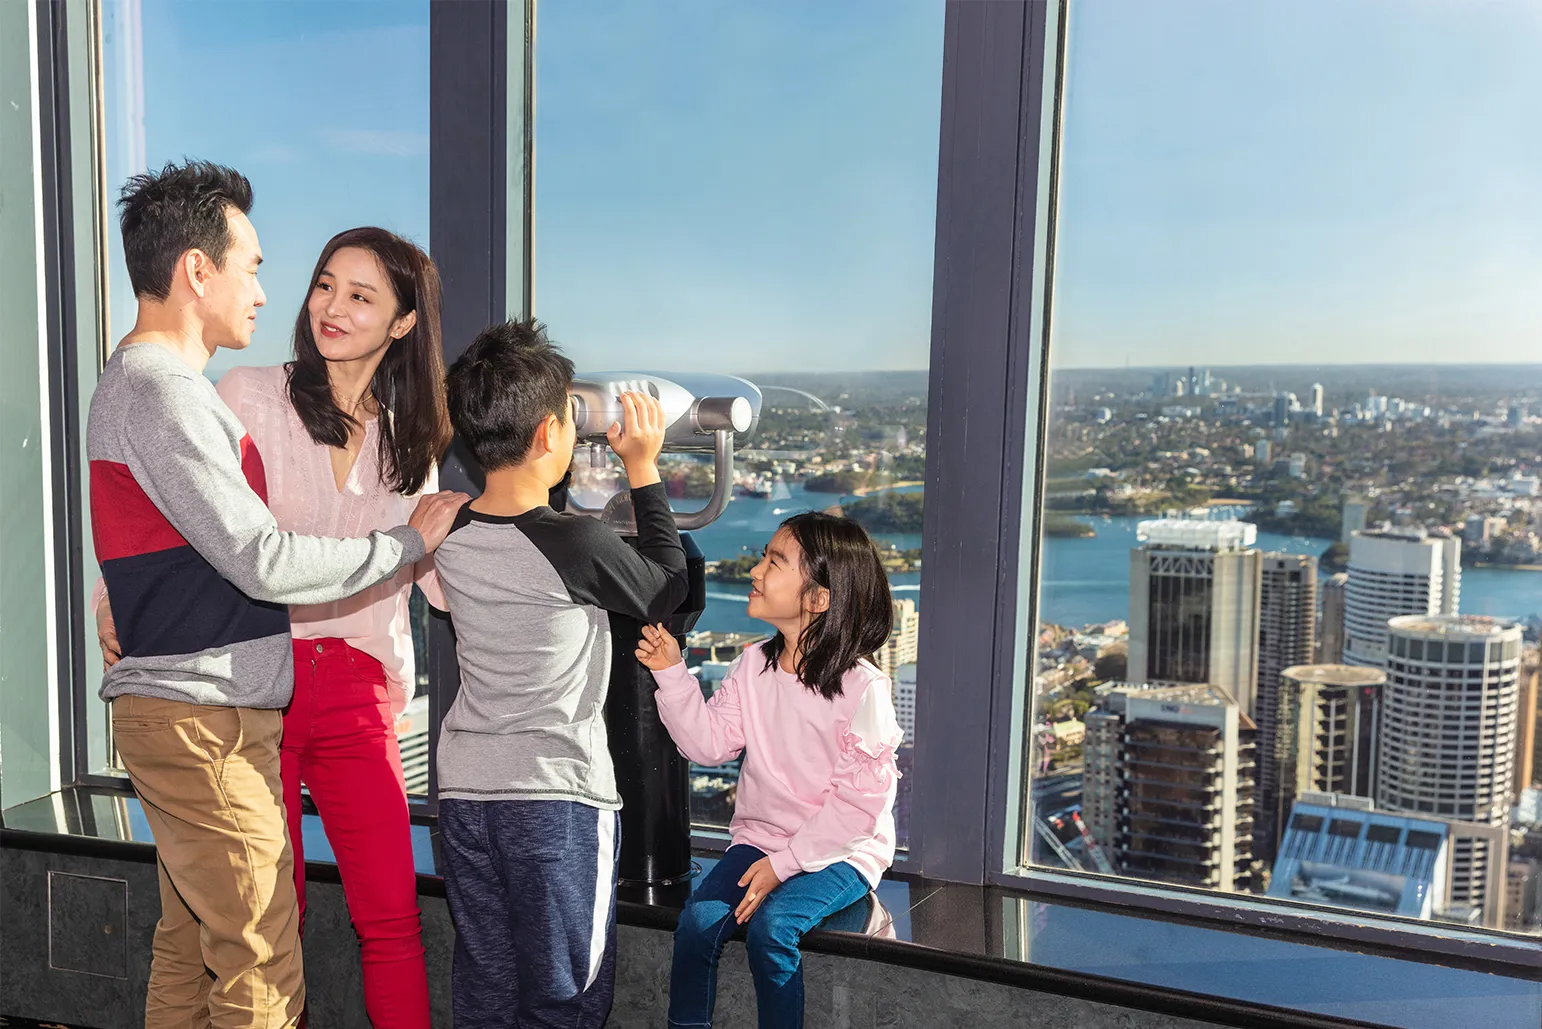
[227, 948]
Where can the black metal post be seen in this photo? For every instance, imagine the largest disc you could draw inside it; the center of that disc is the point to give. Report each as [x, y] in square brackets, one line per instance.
[652, 775]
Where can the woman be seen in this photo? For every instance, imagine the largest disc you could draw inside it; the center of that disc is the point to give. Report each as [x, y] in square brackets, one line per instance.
[350, 432]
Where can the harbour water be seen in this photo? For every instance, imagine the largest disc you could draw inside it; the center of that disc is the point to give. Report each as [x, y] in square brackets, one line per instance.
[1083, 581]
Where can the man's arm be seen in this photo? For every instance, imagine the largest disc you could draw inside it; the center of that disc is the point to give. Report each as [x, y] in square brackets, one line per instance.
[179, 451]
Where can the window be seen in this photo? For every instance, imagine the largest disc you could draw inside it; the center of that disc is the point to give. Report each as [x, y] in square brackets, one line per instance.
[326, 112]
[1278, 340]
[751, 189]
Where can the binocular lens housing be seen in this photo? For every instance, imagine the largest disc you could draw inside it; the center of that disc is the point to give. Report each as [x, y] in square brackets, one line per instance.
[696, 406]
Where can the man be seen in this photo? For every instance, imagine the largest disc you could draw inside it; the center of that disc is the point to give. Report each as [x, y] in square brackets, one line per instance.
[200, 576]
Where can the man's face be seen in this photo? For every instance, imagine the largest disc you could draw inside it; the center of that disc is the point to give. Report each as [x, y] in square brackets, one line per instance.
[232, 294]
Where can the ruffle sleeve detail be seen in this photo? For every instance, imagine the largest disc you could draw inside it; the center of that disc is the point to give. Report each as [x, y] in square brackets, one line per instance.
[870, 740]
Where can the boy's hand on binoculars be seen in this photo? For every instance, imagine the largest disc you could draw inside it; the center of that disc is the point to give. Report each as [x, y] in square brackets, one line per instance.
[658, 649]
[639, 438]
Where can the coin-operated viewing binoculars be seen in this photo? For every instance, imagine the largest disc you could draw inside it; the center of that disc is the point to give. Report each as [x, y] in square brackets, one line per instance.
[703, 414]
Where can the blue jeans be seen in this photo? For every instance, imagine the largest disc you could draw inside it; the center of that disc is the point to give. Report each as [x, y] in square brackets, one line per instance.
[532, 890]
[771, 938]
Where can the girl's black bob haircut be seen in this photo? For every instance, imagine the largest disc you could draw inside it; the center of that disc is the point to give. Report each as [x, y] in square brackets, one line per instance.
[839, 556]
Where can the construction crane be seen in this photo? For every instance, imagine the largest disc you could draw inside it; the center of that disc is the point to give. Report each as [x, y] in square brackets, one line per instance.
[1098, 858]
[1054, 843]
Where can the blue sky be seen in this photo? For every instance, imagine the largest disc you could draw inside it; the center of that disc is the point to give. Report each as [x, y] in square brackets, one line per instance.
[1338, 182]
[324, 106]
[752, 186]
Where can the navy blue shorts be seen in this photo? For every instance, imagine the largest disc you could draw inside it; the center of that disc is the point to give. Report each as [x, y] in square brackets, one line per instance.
[532, 890]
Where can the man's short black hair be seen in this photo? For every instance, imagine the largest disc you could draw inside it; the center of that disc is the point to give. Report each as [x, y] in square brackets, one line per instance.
[503, 387]
[165, 214]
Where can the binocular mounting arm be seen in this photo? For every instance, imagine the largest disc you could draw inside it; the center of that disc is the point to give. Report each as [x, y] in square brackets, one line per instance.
[618, 512]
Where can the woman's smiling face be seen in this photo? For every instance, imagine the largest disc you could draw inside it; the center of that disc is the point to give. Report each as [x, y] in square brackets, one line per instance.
[353, 309]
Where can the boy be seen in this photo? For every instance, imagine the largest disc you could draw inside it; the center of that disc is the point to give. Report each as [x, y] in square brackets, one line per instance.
[527, 794]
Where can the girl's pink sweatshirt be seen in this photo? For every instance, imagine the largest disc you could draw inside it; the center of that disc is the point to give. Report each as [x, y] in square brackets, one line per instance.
[819, 776]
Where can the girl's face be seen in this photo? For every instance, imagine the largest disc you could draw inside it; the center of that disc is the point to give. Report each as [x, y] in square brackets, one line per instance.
[778, 592]
[353, 308]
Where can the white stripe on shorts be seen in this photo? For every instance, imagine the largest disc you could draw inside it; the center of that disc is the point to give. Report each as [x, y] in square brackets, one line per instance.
[604, 887]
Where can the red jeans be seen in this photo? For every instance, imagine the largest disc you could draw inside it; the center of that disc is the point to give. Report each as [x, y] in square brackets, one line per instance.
[340, 741]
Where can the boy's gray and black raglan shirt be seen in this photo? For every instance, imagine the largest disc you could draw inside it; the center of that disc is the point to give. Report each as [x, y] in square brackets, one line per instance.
[530, 596]
[198, 573]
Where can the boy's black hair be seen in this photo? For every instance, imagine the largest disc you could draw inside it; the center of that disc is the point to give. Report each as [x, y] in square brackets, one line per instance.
[165, 214]
[840, 556]
[503, 387]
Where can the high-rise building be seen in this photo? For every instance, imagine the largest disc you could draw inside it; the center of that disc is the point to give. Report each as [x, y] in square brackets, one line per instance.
[905, 702]
[1352, 520]
[1392, 573]
[903, 637]
[1194, 594]
[1263, 452]
[1521, 894]
[1102, 766]
[1285, 405]
[1526, 724]
[1330, 633]
[1340, 851]
[1317, 400]
[412, 743]
[1168, 784]
[1326, 736]
[1344, 851]
[1287, 621]
[1448, 736]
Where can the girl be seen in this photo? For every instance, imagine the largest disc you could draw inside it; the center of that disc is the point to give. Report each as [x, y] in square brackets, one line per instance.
[813, 828]
[350, 433]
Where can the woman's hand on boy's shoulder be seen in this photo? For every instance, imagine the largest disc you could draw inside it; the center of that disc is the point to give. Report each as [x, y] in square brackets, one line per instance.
[658, 649]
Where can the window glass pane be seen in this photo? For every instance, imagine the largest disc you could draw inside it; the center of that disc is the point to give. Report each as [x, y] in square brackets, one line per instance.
[25, 620]
[324, 107]
[1283, 348]
[751, 189]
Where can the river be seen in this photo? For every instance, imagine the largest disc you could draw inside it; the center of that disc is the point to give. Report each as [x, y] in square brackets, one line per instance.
[1084, 581]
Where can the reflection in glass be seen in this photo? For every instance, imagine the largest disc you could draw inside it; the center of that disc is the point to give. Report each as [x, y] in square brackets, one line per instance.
[1220, 962]
[1267, 438]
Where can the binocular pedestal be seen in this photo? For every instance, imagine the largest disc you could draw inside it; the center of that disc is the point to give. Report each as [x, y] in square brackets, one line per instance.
[652, 776]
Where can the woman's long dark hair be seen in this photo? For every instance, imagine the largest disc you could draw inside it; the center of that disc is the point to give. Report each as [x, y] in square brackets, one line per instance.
[839, 556]
[409, 384]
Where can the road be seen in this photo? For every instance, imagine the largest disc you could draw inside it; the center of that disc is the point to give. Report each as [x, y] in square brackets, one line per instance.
[1057, 792]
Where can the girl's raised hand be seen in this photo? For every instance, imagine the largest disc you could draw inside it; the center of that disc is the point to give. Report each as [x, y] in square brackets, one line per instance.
[657, 649]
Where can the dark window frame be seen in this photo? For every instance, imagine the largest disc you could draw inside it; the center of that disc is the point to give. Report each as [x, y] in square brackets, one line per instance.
[993, 284]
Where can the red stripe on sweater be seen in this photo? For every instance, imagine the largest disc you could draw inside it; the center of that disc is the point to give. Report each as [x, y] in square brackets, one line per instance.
[251, 464]
[125, 522]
